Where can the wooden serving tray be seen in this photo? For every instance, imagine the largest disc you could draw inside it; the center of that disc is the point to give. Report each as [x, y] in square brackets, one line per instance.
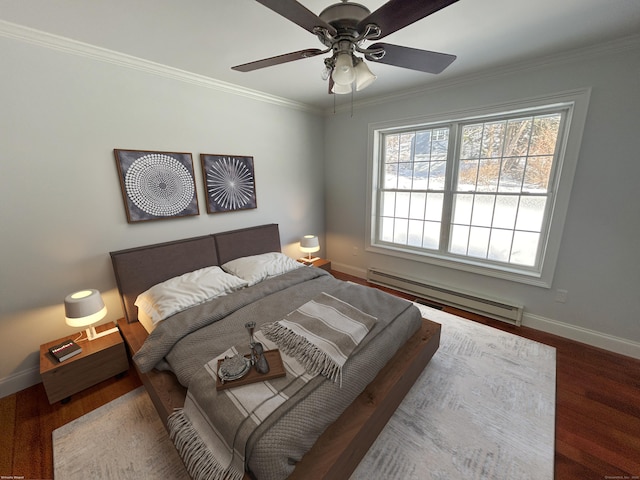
[276, 369]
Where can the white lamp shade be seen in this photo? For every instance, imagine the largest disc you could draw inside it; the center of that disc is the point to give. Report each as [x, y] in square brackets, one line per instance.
[341, 89]
[343, 72]
[309, 244]
[84, 308]
[364, 77]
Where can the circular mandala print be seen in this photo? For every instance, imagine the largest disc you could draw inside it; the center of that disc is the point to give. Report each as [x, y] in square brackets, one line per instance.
[230, 183]
[159, 185]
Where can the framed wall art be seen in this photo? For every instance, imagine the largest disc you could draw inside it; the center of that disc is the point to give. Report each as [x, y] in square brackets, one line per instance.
[156, 185]
[229, 182]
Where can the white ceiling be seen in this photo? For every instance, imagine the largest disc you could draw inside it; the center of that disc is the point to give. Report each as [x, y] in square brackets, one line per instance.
[208, 37]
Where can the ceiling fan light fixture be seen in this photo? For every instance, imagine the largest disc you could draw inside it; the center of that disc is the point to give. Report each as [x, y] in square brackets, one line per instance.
[343, 71]
[341, 89]
[364, 77]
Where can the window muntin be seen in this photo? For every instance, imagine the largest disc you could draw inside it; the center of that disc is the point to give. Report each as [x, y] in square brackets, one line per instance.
[477, 190]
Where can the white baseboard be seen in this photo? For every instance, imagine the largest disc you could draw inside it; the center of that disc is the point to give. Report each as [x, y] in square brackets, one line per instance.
[583, 335]
[349, 270]
[19, 381]
[572, 332]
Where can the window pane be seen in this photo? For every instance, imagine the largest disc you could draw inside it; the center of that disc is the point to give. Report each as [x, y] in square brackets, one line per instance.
[418, 201]
[482, 215]
[415, 233]
[405, 175]
[512, 174]
[531, 213]
[388, 204]
[488, 175]
[402, 204]
[545, 134]
[406, 147]
[431, 237]
[492, 137]
[435, 202]
[386, 229]
[392, 145]
[462, 207]
[467, 175]
[459, 239]
[500, 245]
[437, 175]
[400, 228]
[440, 144]
[505, 212]
[421, 175]
[525, 247]
[471, 140]
[391, 176]
[478, 242]
[516, 142]
[423, 145]
[537, 174]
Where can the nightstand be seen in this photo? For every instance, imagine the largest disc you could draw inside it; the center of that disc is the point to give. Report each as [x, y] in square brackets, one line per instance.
[319, 263]
[100, 359]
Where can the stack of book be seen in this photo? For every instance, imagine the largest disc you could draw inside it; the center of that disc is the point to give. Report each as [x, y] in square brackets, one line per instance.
[65, 350]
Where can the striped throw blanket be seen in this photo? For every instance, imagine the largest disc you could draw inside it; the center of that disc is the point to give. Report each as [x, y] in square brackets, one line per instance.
[321, 334]
[211, 433]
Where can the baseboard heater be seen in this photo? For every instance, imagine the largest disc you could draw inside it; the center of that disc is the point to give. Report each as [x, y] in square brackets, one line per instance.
[490, 307]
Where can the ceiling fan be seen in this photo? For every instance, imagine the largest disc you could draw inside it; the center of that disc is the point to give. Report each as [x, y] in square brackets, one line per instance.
[343, 28]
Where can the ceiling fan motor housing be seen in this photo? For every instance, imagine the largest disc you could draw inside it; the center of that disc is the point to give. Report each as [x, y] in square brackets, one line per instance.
[344, 17]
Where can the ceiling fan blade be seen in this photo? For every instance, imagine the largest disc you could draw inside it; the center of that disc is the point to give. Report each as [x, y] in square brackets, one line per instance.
[298, 14]
[397, 14]
[277, 60]
[412, 58]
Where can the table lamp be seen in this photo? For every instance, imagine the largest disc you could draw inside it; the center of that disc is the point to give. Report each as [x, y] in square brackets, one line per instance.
[309, 244]
[84, 309]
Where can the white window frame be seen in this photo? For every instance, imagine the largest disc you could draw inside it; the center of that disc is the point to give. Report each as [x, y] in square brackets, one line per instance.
[575, 101]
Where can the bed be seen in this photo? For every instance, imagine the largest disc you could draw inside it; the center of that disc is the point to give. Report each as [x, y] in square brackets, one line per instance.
[372, 384]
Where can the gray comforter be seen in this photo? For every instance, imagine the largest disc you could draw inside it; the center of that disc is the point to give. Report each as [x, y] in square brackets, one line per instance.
[188, 340]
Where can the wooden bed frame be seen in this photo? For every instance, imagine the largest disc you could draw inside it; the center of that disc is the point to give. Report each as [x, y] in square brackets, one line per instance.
[338, 451]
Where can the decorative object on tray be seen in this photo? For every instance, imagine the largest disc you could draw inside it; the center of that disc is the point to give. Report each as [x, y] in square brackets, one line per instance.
[252, 375]
[65, 350]
[233, 368]
[257, 351]
[156, 185]
[229, 181]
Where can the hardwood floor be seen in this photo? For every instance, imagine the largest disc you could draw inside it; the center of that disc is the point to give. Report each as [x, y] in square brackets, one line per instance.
[28, 420]
[597, 412]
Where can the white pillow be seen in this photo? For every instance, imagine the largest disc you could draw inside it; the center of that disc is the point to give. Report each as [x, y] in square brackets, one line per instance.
[257, 268]
[179, 293]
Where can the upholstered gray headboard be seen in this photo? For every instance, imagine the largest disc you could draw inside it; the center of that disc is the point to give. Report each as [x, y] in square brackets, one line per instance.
[138, 269]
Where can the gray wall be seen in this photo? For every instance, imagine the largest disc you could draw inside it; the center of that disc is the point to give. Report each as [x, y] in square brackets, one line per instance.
[598, 262]
[61, 207]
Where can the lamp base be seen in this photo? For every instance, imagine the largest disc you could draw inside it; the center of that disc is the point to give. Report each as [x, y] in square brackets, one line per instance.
[92, 334]
[308, 259]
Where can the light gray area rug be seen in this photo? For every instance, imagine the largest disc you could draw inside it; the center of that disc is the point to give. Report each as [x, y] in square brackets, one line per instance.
[484, 408]
[124, 439]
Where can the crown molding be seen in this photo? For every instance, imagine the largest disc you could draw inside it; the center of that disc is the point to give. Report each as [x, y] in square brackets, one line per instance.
[73, 47]
[606, 48]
